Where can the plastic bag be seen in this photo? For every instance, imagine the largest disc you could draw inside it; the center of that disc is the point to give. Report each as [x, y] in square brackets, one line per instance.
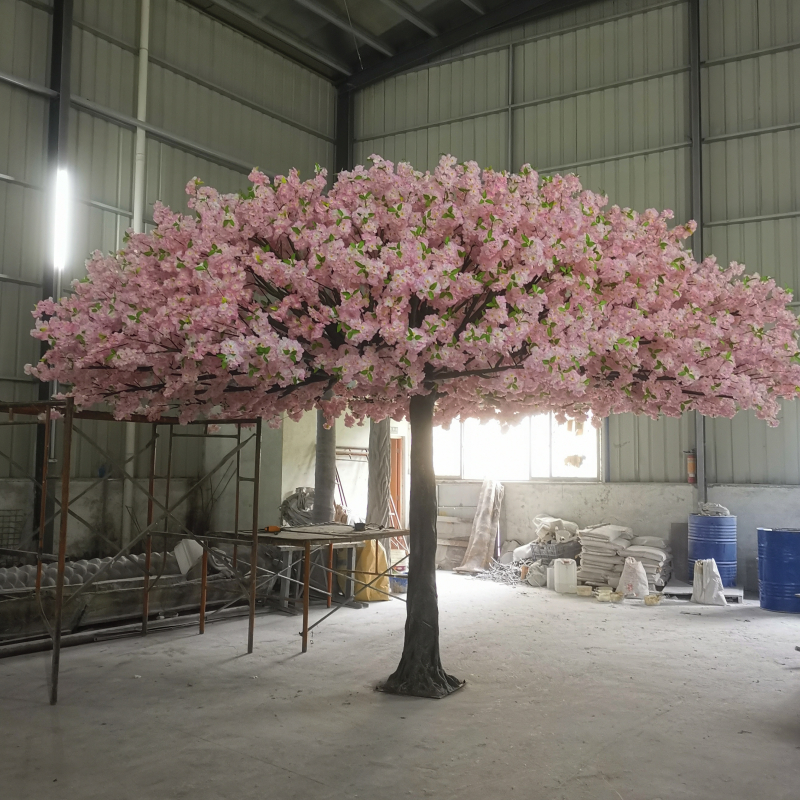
[714, 510]
[633, 581]
[707, 586]
[522, 553]
[537, 574]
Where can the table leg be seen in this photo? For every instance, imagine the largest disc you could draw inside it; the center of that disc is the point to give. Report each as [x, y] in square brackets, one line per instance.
[203, 590]
[330, 574]
[287, 564]
[306, 593]
[148, 551]
[351, 572]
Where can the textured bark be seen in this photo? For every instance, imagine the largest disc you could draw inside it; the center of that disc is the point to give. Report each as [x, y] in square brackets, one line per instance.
[420, 672]
[380, 472]
[324, 472]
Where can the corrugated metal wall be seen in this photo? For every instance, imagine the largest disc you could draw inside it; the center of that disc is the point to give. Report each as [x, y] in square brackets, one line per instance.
[224, 103]
[24, 43]
[751, 181]
[603, 91]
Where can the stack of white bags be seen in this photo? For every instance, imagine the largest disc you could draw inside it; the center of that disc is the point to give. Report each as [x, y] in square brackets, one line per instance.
[605, 548]
[601, 559]
[656, 557]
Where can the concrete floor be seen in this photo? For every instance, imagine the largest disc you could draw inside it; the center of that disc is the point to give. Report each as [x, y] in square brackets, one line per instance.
[567, 699]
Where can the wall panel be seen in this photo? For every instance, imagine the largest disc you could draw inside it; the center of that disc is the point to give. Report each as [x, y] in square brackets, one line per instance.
[207, 85]
[601, 91]
[751, 201]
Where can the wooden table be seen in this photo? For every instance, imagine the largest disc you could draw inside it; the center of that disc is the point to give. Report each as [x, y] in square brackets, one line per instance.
[314, 537]
[310, 538]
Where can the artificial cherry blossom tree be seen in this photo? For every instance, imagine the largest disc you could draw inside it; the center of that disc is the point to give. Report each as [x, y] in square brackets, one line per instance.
[456, 293]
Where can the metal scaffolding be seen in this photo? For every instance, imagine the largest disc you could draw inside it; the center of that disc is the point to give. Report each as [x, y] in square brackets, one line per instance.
[159, 514]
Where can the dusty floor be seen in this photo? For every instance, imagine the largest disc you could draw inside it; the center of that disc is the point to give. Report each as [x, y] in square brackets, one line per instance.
[566, 699]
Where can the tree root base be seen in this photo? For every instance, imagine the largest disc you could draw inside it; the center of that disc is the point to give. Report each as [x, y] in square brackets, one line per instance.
[434, 687]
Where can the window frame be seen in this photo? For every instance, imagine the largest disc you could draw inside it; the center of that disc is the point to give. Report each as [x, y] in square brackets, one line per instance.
[598, 478]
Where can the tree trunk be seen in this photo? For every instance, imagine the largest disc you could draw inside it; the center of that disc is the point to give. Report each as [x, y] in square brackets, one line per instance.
[380, 473]
[324, 471]
[420, 672]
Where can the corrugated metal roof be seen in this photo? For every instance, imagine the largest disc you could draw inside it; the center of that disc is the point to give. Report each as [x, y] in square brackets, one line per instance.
[344, 38]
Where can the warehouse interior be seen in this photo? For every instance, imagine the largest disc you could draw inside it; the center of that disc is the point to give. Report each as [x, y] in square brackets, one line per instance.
[689, 105]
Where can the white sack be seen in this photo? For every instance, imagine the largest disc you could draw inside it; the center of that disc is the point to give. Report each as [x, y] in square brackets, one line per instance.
[651, 541]
[633, 581]
[707, 587]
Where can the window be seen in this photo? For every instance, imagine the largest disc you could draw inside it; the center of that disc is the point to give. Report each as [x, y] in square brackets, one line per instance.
[536, 448]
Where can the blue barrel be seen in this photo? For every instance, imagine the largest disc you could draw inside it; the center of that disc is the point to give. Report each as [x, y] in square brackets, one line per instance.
[779, 569]
[713, 537]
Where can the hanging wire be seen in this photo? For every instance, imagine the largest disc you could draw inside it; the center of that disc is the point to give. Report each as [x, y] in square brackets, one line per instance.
[355, 40]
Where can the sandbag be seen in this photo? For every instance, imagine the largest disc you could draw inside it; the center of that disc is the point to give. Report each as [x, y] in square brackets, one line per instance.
[537, 574]
[633, 581]
[707, 585]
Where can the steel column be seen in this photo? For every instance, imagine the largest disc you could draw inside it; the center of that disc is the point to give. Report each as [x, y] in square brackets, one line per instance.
[345, 130]
[148, 542]
[696, 122]
[254, 547]
[306, 592]
[57, 149]
[66, 453]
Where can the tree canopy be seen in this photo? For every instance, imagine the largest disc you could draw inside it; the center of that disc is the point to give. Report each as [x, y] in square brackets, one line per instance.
[505, 294]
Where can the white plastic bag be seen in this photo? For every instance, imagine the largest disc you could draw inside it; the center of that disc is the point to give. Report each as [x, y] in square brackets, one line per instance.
[707, 586]
[633, 581]
[522, 553]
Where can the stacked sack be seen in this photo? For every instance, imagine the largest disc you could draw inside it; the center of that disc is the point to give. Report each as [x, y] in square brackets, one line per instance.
[656, 557]
[602, 556]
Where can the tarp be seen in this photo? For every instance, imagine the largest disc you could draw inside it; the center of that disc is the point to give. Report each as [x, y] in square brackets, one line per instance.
[484, 528]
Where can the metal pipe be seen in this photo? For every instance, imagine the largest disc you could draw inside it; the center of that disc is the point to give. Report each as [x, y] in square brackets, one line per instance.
[43, 501]
[510, 132]
[696, 117]
[236, 508]
[306, 592]
[254, 547]
[138, 227]
[148, 542]
[66, 454]
[203, 590]
[330, 573]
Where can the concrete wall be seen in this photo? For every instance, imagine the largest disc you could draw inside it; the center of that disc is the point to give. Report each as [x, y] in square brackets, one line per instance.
[654, 509]
[756, 507]
[100, 508]
[224, 484]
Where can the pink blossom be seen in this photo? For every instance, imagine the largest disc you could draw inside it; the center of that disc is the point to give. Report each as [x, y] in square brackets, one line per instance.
[505, 294]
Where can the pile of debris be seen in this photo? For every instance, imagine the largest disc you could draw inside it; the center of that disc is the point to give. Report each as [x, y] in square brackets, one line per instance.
[600, 551]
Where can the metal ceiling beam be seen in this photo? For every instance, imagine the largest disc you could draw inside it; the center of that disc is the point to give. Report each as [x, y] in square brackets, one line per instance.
[346, 25]
[317, 53]
[408, 13]
[474, 6]
[508, 14]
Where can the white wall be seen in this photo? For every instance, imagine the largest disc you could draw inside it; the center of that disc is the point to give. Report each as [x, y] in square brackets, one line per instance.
[269, 499]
